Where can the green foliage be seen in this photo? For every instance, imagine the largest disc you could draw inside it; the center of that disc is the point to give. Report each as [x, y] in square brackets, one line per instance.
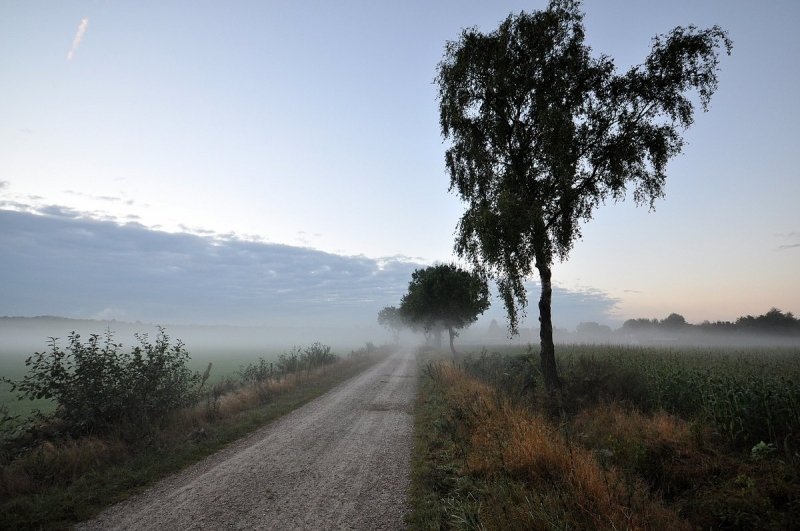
[96, 385]
[444, 296]
[298, 359]
[762, 450]
[257, 372]
[774, 321]
[542, 132]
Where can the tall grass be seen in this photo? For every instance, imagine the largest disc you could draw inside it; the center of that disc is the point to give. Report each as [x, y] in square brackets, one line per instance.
[483, 462]
[640, 438]
[746, 396]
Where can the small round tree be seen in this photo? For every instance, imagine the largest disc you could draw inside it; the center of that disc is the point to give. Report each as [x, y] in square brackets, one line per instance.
[444, 296]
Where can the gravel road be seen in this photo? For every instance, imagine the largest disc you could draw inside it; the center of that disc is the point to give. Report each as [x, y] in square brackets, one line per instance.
[339, 462]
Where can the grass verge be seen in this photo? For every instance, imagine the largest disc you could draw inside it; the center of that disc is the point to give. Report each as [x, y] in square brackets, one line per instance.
[53, 484]
[490, 454]
[483, 463]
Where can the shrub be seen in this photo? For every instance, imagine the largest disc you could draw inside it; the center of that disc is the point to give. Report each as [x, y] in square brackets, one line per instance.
[255, 373]
[297, 359]
[96, 385]
[317, 355]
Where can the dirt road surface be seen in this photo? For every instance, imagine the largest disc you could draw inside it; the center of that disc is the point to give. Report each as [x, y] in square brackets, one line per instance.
[339, 462]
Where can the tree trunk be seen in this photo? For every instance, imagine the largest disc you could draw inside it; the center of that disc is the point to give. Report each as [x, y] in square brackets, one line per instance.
[452, 336]
[437, 337]
[548, 351]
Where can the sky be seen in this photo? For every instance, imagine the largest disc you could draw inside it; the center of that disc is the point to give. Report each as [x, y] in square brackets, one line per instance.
[187, 161]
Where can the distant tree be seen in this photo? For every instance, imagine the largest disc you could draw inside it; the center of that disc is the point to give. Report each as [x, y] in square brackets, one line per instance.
[774, 321]
[494, 329]
[542, 133]
[674, 321]
[639, 324]
[444, 296]
[391, 318]
[593, 331]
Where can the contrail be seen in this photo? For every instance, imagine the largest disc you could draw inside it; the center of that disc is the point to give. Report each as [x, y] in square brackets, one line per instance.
[78, 38]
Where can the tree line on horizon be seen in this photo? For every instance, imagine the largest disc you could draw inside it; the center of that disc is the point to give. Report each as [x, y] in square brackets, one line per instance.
[774, 321]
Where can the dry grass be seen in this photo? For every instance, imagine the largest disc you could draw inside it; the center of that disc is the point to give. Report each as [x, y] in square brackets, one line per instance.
[627, 446]
[563, 483]
[58, 463]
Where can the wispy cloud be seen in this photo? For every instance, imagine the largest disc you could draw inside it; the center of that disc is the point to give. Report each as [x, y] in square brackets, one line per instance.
[78, 38]
[792, 235]
[3, 184]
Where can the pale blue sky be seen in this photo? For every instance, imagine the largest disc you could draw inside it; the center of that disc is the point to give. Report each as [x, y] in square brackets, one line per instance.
[315, 124]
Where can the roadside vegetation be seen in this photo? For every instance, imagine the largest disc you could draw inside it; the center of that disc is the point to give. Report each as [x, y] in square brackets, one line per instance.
[639, 438]
[125, 419]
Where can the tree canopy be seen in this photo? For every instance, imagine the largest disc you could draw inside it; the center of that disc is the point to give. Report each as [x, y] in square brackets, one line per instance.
[444, 296]
[542, 132]
[391, 318]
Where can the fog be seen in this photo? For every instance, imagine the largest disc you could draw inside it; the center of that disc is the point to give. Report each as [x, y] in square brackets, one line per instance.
[230, 346]
[20, 337]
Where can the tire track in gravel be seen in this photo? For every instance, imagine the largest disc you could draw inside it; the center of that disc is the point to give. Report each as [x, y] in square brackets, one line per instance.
[339, 462]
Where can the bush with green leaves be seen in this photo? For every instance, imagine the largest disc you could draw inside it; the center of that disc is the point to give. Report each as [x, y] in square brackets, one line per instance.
[255, 373]
[96, 385]
[299, 359]
[317, 355]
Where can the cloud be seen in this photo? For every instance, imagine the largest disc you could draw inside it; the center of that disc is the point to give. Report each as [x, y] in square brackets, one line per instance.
[62, 263]
[106, 198]
[84, 24]
[791, 235]
[59, 261]
[3, 184]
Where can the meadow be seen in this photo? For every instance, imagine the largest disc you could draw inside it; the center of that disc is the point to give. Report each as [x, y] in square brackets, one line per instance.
[639, 437]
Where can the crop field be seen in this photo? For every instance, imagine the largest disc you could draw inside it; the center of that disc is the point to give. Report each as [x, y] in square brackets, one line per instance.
[748, 396]
[689, 437]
